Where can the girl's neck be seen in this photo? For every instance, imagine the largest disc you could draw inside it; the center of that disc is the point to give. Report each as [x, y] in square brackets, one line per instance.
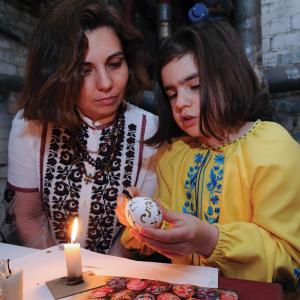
[233, 136]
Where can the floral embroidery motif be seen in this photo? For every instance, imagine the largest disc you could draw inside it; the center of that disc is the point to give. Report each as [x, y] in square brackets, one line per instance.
[195, 185]
[214, 187]
[297, 275]
[64, 178]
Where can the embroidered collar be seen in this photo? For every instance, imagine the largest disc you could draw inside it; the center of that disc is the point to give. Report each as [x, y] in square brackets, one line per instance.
[94, 125]
[235, 140]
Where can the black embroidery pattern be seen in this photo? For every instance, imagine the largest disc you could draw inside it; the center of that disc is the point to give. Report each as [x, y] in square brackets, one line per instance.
[129, 155]
[102, 221]
[64, 178]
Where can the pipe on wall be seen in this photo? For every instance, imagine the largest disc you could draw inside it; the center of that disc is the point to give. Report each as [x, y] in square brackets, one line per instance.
[164, 19]
[282, 79]
[247, 21]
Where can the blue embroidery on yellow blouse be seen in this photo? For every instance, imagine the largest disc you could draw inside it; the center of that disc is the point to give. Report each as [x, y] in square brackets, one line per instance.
[297, 275]
[195, 184]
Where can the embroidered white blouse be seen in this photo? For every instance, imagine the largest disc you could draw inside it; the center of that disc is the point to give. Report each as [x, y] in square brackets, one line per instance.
[84, 183]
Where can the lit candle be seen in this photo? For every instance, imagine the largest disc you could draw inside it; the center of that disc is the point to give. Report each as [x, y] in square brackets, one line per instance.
[73, 257]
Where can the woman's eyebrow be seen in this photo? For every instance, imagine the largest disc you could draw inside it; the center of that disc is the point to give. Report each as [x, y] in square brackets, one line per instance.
[118, 53]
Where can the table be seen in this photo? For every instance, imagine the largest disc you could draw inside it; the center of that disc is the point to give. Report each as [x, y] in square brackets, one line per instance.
[253, 290]
[248, 290]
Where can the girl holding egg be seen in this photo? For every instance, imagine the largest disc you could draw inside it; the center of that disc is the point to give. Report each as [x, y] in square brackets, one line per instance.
[228, 181]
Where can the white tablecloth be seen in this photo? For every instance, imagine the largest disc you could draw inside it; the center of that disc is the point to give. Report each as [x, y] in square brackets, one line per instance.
[40, 266]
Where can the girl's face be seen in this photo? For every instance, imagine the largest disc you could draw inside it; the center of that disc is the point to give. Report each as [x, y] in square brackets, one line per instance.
[180, 80]
[105, 74]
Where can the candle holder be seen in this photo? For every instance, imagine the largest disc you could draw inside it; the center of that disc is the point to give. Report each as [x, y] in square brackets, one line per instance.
[65, 287]
[74, 280]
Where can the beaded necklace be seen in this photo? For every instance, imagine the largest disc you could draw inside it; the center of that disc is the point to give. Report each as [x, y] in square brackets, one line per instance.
[106, 153]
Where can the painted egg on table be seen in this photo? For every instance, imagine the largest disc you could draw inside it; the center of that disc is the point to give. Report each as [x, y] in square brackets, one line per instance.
[143, 212]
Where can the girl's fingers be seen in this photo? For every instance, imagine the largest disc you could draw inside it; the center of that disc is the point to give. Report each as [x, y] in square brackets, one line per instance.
[133, 191]
[176, 249]
[160, 240]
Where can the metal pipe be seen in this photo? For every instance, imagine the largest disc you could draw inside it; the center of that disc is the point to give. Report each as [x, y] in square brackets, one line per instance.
[11, 83]
[282, 79]
[164, 19]
[247, 21]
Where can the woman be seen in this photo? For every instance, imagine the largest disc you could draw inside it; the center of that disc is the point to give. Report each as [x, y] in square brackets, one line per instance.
[75, 143]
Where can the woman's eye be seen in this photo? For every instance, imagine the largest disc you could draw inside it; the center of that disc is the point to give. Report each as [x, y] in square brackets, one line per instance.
[114, 65]
[86, 71]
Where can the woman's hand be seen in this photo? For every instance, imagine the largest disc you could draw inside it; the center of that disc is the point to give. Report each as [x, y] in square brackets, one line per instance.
[187, 234]
[122, 201]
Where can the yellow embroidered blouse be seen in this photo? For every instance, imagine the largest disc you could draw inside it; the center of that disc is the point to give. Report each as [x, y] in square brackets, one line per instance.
[250, 190]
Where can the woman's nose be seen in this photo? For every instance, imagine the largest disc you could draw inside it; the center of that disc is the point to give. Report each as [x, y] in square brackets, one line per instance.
[103, 81]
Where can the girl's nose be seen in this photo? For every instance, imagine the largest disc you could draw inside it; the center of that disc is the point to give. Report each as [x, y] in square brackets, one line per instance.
[103, 81]
[182, 101]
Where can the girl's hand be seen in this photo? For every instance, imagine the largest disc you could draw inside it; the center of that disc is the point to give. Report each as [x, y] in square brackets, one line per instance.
[187, 235]
[122, 201]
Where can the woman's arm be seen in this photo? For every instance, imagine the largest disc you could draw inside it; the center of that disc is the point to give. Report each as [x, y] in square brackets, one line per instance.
[31, 222]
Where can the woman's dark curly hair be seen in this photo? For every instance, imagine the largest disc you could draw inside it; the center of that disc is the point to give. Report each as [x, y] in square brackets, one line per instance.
[57, 53]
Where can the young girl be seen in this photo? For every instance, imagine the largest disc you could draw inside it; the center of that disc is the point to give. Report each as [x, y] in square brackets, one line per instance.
[76, 143]
[230, 180]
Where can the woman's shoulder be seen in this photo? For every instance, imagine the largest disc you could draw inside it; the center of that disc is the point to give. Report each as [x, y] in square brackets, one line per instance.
[21, 126]
[136, 111]
[142, 118]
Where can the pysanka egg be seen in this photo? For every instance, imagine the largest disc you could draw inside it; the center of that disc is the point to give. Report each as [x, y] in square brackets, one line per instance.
[143, 212]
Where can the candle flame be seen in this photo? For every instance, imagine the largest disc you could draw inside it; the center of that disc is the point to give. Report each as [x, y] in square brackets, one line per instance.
[74, 230]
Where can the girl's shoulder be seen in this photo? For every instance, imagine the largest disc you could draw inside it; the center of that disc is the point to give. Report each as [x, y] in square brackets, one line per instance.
[271, 134]
[177, 150]
[266, 143]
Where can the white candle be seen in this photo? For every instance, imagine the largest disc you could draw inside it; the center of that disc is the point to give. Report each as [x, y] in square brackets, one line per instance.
[11, 286]
[72, 255]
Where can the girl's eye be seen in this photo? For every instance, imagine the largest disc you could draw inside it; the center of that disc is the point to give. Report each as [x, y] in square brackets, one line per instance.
[171, 96]
[195, 87]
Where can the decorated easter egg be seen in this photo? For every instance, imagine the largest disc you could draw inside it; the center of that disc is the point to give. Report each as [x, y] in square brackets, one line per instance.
[143, 212]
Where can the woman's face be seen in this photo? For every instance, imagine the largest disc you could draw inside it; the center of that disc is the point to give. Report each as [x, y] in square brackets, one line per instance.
[180, 80]
[105, 74]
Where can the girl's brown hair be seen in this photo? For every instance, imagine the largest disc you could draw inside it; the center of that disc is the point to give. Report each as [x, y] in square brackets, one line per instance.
[56, 56]
[229, 89]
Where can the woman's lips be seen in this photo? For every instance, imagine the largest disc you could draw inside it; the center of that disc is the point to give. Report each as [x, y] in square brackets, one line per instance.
[107, 101]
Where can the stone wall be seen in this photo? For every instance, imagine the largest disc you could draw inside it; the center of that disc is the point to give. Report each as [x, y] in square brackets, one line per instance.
[281, 47]
[16, 25]
[280, 32]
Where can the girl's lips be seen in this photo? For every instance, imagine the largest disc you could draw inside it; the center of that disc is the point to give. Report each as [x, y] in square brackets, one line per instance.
[189, 122]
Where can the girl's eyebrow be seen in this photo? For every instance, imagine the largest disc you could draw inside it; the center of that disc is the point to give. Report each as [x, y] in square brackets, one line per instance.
[184, 80]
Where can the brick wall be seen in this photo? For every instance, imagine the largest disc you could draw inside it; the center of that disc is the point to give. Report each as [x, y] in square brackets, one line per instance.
[281, 47]
[16, 26]
[280, 32]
